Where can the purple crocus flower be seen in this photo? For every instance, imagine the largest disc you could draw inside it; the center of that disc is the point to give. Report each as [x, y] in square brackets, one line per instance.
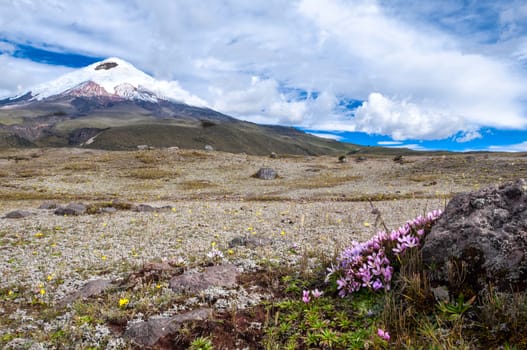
[305, 296]
[383, 334]
[316, 293]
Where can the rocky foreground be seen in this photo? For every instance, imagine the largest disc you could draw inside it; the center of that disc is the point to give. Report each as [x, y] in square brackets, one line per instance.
[123, 249]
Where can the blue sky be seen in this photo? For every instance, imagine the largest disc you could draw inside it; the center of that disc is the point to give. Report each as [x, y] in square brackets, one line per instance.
[437, 74]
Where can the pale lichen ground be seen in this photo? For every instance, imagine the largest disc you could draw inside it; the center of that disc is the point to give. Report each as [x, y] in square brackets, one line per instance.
[316, 207]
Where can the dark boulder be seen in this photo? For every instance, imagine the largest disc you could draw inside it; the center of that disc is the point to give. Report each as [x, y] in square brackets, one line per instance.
[72, 209]
[49, 205]
[266, 174]
[212, 276]
[148, 333]
[481, 241]
[18, 214]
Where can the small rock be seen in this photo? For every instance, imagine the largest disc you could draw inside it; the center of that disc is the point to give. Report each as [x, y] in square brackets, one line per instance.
[212, 276]
[399, 159]
[209, 148]
[360, 159]
[273, 155]
[49, 205]
[89, 289]
[18, 214]
[440, 293]
[250, 242]
[266, 174]
[72, 209]
[144, 208]
[343, 159]
[108, 210]
[143, 147]
[149, 332]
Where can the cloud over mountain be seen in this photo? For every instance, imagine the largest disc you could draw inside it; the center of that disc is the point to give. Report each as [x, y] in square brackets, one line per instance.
[425, 70]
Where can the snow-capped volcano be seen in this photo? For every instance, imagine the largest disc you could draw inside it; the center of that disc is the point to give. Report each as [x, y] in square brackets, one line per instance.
[117, 78]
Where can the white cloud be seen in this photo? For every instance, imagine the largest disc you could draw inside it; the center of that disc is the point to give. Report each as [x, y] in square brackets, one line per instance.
[389, 143]
[402, 120]
[468, 136]
[519, 147]
[326, 136]
[18, 74]
[418, 80]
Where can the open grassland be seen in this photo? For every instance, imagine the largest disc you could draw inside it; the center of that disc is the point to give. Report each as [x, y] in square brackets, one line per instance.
[295, 223]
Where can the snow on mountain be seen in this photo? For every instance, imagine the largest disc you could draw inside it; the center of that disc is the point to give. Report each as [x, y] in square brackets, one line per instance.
[115, 77]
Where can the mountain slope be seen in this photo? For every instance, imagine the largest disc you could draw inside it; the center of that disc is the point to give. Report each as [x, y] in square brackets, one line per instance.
[113, 105]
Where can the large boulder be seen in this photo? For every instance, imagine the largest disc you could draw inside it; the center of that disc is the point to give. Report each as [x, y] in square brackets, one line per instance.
[481, 241]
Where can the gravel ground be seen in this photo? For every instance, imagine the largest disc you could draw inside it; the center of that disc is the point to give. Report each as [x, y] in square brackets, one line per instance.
[316, 207]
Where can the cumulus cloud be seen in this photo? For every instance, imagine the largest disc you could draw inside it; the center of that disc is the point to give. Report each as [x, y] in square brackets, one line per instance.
[519, 147]
[419, 78]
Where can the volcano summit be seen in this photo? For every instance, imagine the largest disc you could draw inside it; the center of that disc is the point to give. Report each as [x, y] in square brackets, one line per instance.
[113, 105]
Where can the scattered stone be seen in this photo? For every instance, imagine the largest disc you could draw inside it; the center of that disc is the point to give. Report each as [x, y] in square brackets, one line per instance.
[18, 214]
[209, 148]
[143, 147]
[173, 148]
[360, 159]
[144, 208]
[213, 276]
[108, 210]
[49, 205]
[249, 242]
[481, 239]
[148, 333]
[266, 174]
[273, 155]
[153, 272]
[343, 159]
[91, 288]
[399, 159]
[72, 209]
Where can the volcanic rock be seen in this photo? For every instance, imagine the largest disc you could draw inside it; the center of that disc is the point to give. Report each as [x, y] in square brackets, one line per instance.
[18, 214]
[481, 241]
[212, 276]
[148, 333]
[71, 209]
[266, 174]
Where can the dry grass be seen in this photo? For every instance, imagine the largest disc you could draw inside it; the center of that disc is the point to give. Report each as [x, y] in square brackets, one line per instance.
[151, 173]
[81, 166]
[322, 181]
[196, 185]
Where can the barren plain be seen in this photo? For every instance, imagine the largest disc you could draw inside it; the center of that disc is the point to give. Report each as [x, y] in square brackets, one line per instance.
[206, 202]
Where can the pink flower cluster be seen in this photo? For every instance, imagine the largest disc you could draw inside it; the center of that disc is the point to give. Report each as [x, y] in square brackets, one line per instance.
[306, 295]
[367, 265]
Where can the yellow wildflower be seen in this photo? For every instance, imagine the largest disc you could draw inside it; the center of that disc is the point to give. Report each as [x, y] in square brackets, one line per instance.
[103, 257]
[230, 251]
[42, 291]
[367, 224]
[282, 233]
[39, 234]
[123, 302]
